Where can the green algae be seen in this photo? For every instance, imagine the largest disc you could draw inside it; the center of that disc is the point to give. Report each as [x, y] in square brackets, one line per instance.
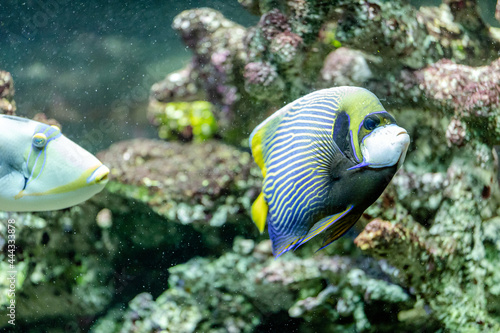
[185, 120]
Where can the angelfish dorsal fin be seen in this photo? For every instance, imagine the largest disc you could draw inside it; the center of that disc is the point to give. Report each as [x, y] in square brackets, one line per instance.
[260, 137]
[258, 140]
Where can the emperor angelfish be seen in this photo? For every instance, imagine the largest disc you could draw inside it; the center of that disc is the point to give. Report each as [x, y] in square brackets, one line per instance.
[325, 158]
[41, 169]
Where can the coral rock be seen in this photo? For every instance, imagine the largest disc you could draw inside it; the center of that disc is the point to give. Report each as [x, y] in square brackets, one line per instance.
[208, 183]
[345, 67]
[7, 104]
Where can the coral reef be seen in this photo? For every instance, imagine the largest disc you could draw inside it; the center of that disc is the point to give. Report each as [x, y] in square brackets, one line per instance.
[201, 184]
[61, 266]
[7, 104]
[436, 68]
[471, 95]
[497, 11]
[451, 265]
[385, 46]
[345, 67]
[80, 257]
[396, 31]
[235, 293]
[213, 72]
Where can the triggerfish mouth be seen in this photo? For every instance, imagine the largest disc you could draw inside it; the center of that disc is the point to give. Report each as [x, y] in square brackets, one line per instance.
[41, 169]
[325, 158]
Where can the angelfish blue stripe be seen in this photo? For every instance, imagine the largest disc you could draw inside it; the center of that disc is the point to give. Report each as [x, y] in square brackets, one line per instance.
[354, 148]
[296, 159]
[294, 191]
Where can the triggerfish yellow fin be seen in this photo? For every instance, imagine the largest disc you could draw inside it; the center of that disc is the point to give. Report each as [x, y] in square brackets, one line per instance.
[325, 158]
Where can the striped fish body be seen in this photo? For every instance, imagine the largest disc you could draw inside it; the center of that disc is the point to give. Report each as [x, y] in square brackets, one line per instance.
[315, 176]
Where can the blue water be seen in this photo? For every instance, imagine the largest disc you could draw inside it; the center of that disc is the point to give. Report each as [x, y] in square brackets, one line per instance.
[81, 62]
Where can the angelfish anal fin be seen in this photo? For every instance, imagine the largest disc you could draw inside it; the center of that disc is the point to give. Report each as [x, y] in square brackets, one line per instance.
[335, 221]
[340, 227]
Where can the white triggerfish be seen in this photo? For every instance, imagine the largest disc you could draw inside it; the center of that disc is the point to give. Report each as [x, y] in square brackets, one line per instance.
[41, 169]
[325, 158]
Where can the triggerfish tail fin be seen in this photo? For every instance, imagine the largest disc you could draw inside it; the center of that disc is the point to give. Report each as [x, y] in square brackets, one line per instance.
[259, 212]
[339, 228]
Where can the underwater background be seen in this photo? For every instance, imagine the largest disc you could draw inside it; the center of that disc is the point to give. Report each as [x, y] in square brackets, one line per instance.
[166, 94]
[95, 59]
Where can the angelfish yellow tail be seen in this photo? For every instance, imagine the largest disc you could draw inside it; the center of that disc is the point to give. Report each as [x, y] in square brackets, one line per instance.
[259, 212]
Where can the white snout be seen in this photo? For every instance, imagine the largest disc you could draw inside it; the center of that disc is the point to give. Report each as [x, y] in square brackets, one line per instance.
[385, 146]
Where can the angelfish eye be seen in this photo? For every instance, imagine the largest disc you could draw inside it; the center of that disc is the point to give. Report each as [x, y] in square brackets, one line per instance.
[39, 140]
[371, 122]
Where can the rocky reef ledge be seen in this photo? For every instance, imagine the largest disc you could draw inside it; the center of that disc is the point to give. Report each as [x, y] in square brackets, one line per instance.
[247, 290]
[200, 184]
[165, 203]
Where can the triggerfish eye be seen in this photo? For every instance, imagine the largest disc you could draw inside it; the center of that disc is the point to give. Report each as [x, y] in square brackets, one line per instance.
[39, 140]
[325, 158]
